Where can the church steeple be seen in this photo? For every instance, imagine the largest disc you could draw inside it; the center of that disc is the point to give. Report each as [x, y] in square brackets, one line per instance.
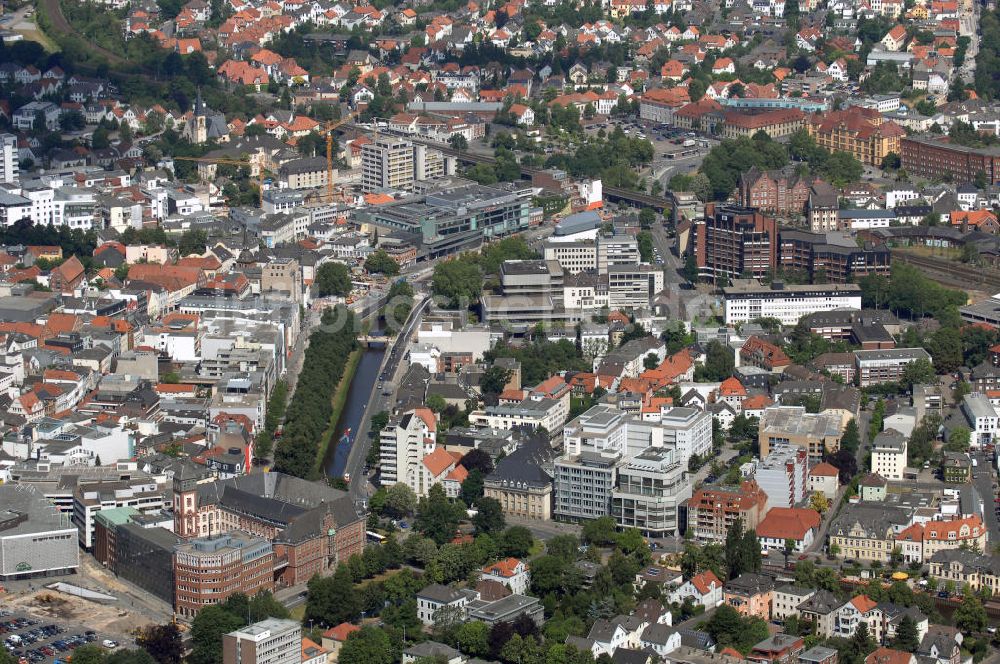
[199, 104]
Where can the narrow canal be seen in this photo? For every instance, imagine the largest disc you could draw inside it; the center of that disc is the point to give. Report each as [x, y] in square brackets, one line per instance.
[354, 408]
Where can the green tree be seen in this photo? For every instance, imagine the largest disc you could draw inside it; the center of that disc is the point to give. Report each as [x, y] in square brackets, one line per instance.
[207, 629]
[907, 636]
[369, 645]
[380, 262]
[163, 642]
[916, 373]
[192, 242]
[516, 541]
[958, 439]
[89, 654]
[645, 241]
[400, 501]
[459, 280]
[851, 440]
[331, 600]
[436, 403]
[472, 638]
[599, 531]
[472, 488]
[719, 363]
[437, 516]
[333, 278]
[458, 142]
[862, 642]
[842, 168]
[690, 270]
[489, 516]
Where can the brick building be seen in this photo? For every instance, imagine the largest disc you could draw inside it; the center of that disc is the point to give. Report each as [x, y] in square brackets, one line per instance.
[774, 191]
[208, 570]
[734, 242]
[712, 511]
[860, 131]
[313, 527]
[937, 157]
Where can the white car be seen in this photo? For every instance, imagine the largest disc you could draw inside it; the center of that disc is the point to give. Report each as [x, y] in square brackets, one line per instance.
[108, 643]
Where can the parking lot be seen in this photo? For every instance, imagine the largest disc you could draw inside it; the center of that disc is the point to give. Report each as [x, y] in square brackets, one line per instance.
[36, 640]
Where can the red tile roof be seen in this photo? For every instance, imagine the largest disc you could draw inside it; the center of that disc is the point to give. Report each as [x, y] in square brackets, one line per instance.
[788, 523]
[341, 632]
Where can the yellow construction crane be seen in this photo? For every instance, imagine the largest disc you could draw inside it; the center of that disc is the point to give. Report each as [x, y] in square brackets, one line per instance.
[331, 126]
[233, 162]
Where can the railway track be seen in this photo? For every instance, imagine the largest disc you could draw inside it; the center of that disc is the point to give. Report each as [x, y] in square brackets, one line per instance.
[952, 274]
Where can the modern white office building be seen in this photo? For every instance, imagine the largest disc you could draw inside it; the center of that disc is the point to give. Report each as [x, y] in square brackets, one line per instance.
[747, 300]
[271, 641]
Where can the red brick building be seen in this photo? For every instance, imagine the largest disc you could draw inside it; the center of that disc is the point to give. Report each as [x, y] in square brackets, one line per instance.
[208, 570]
[313, 528]
[937, 157]
[774, 191]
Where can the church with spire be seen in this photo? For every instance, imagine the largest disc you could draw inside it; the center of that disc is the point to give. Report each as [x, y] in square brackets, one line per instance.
[205, 124]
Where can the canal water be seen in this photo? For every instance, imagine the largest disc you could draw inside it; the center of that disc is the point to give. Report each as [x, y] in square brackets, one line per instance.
[354, 408]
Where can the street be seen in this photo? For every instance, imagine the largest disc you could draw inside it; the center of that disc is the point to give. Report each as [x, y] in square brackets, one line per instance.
[983, 477]
[377, 402]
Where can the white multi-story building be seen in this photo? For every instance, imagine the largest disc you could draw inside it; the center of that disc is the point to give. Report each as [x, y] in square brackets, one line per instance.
[50, 205]
[633, 286]
[689, 430]
[784, 475]
[748, 301]
[403, 444]
[387, 163]
[574, 257]
[435, 597]
[8, 159]
[889, 454]
[547, 413]
[600, 429]
[271, 641]
[982, 418]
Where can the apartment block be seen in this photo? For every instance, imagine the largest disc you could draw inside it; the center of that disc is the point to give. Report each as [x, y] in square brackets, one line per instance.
[934, 157]
[403, 444]
[387, 163]
[784, 475]
[712, 511]
[861, 132]
[9, 161]
[889, 454]
[584, 483]
[689, 431]
[885, 366]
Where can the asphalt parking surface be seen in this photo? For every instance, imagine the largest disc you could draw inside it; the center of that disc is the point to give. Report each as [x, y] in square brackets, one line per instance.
[34, 640]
